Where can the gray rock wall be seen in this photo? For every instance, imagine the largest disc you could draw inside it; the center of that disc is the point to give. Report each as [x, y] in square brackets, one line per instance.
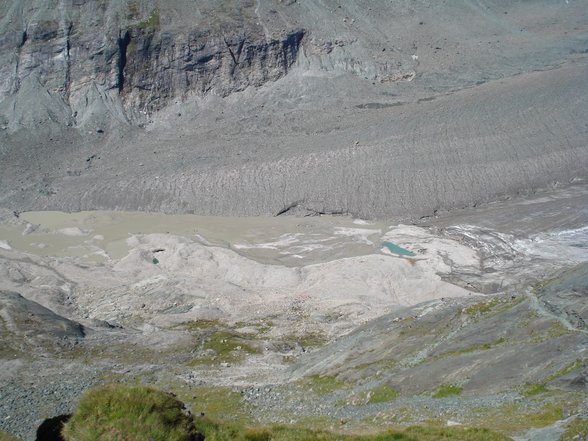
[89, 53]
[280, 107]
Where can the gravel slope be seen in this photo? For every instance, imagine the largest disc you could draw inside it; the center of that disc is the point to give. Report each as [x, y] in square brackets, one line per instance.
[388, 110]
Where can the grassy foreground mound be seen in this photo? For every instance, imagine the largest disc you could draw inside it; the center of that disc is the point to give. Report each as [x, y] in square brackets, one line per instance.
[116, 413]
[138, 413]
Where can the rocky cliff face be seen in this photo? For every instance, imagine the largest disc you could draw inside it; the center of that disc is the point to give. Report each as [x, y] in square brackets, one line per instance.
[375, 108]
[154, 69]
[93, 56]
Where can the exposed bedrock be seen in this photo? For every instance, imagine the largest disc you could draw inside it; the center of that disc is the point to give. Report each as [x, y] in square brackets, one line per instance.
[267, 107]
[123, 60]
[424, 157]
[128, 59]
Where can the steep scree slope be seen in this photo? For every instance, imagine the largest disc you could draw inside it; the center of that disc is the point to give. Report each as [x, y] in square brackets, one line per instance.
[266, 107]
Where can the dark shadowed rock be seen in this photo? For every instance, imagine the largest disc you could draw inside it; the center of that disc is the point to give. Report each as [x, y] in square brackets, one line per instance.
[50, 429]
[27, 318]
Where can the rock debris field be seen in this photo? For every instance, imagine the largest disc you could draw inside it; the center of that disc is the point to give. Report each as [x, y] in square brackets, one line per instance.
[346, 215]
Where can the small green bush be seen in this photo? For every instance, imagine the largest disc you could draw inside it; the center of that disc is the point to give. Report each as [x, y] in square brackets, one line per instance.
[123, 413]
[382, 394]
[447, 390]
[152, 23]
[529, 390]
[565, 370]
[323, 385]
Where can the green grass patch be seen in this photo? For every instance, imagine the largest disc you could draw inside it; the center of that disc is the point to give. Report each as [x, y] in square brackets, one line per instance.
[312, 339]
[124, 353]
[380, 365]
[7, 349]
[453, 433]
[202, 325]
[491, 307]
[543, 284]
[447, 390]
[382, 394]
[480, 308]
[7, 352]
[226, 347]
[323, 385]
[226, 342]
[152, 23]
[529, 317]
[218, 432]
[261, 326]
[289, 359]
[214, 431]
[546, 416]
[219, 404]
[577, 430]
[379, 394]
[565, 370]
[116, 413]
[411, 327]
[131, 413]
[476, 348]
[557, 330]
[529, 390]
[306, 340]
[515, 418]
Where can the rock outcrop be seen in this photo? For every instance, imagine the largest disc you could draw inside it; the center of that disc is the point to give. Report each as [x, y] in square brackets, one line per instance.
[23, 317]
[96, 57]
[265, 107]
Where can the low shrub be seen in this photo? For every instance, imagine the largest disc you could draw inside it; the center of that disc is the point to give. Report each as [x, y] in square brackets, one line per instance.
[529, 390]
[129, 413]
[447, 390]
[382, 394]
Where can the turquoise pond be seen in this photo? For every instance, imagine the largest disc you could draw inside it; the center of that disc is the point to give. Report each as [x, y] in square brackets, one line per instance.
[397, 250]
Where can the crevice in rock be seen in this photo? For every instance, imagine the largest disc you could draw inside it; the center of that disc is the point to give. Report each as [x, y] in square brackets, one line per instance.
[235, 59]
[123, 44]
[23, 38]
[67, 80]
[291, 47]
[240, 50]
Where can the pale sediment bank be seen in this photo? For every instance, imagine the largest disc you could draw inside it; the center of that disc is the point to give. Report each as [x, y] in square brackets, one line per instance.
[186, 301]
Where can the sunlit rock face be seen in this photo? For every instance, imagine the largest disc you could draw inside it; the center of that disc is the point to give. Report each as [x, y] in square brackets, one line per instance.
[378, 109]
[136, 55]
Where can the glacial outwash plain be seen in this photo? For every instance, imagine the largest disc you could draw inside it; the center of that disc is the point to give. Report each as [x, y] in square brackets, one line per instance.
[341, 219]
